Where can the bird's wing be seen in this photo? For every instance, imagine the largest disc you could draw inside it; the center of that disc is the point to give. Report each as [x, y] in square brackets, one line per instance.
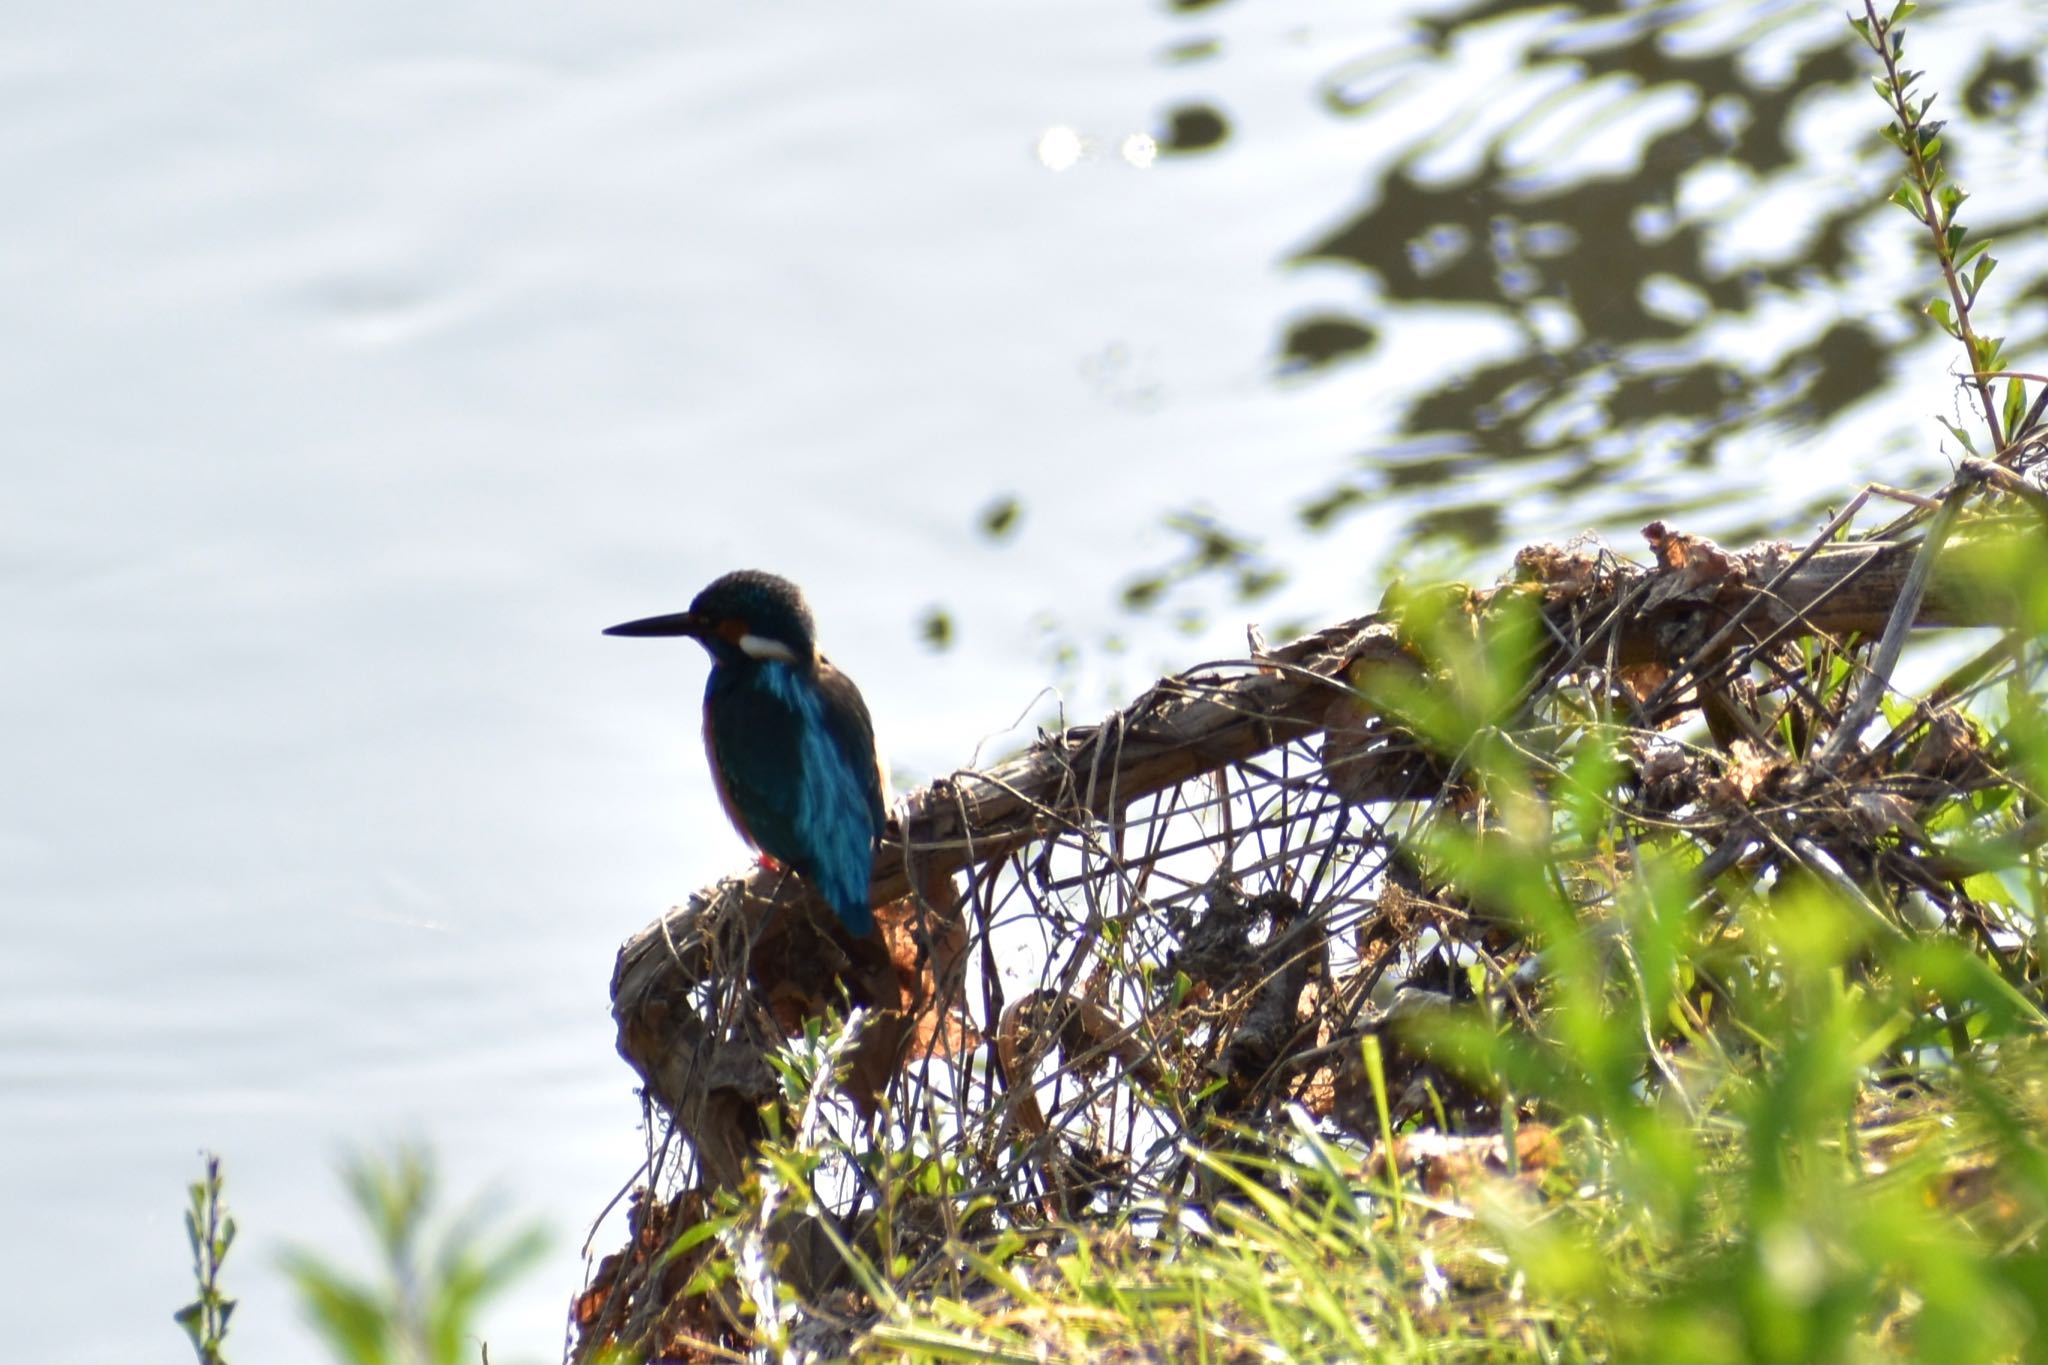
[846, 716]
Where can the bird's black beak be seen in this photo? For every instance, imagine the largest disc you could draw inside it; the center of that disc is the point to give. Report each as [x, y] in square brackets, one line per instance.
[675, 623]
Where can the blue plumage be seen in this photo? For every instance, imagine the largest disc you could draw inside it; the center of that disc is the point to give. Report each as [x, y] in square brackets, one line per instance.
[791, 746]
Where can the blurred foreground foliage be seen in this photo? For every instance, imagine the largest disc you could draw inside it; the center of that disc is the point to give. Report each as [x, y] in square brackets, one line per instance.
[421, 1305]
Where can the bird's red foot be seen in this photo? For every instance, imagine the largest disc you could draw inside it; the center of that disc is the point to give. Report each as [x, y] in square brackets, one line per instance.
[767, 863]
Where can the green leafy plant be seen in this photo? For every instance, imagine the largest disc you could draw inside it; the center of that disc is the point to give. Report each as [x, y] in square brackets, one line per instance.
[1932, 198]
[211, 1231]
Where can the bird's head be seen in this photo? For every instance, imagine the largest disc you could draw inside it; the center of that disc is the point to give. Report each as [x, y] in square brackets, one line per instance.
[744, 615]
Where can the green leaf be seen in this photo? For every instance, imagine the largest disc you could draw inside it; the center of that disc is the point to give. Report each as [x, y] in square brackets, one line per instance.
[1939, 310]
[1908, 198]
[1984, 269]
[350, 1316]
[2015, 405]
[1960, 435]
[1901, 12]
[1988, 888]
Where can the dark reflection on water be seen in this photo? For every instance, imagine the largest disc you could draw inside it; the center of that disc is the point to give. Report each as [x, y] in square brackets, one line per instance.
[1524, 240]
[1193, 128]
[1678, 231]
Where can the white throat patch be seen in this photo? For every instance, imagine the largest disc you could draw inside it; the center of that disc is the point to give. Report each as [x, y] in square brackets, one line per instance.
[761, 647]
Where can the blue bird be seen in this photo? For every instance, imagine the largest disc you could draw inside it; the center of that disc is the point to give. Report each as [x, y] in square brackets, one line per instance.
[792, 749]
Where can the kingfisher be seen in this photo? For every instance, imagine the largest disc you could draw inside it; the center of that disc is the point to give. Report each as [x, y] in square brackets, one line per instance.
[791, 746]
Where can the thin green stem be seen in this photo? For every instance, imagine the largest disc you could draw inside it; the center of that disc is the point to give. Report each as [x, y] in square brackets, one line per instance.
[1919, 142]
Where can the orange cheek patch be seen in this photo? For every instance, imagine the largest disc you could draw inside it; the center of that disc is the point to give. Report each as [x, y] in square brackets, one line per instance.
[730, 630]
